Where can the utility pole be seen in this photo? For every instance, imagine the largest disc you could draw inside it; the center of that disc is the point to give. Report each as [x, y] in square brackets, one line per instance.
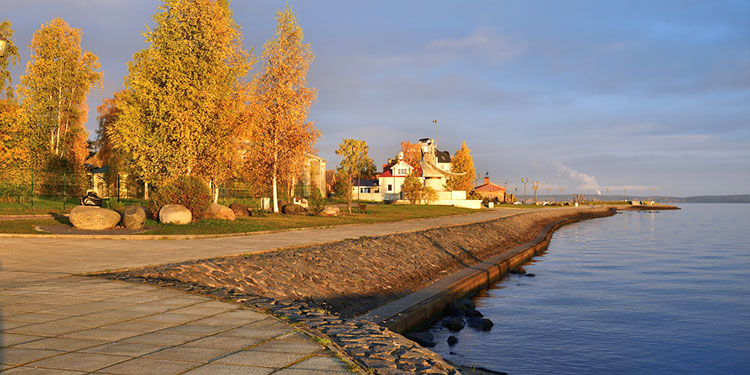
[435, 141]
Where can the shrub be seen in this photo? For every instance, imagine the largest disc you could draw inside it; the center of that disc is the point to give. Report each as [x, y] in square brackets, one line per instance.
[429, 195]
[189, 191]
[412, 189]
[363, 208]
[316, 203]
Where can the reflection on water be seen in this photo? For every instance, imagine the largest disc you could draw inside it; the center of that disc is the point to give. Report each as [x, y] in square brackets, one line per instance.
[635, 293]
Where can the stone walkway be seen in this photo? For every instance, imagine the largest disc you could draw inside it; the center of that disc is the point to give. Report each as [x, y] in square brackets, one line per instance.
[52, 322]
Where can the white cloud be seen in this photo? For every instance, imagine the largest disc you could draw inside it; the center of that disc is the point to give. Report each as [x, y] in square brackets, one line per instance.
[487, 43]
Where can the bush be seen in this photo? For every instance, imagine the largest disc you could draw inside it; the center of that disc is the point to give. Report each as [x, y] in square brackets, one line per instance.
[316, 203]
[189, 191]
[363, 208]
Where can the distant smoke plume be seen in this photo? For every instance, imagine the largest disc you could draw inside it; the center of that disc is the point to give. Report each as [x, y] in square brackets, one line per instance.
[583, 180]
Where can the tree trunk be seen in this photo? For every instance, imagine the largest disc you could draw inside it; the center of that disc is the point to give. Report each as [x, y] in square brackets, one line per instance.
[275, 200]
[145, 191]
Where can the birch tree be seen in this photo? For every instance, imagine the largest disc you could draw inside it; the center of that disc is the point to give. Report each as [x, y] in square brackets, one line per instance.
[280, 134]
[14, 148]
[58, 77]
[181, 113]
[354, 158]
[7, 58]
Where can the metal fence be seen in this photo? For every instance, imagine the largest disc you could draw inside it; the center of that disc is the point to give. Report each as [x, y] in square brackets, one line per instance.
[30, 185]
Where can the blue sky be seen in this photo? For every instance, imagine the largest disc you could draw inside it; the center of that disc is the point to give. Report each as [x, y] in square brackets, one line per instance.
[580, 95]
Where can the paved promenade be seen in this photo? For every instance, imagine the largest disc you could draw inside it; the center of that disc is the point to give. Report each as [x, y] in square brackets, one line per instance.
[53, 322]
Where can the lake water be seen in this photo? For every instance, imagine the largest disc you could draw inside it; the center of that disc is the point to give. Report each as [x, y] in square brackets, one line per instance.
[637, 293]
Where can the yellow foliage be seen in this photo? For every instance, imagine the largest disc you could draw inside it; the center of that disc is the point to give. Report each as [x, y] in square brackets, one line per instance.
[182, 109]
[279, 132]
[462, 162]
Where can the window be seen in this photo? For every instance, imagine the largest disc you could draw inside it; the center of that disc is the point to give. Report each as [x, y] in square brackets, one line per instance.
[402, 171]
[390, 187]
[364, 190]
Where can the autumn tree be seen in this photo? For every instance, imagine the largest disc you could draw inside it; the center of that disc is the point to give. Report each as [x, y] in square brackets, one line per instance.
[462, 162]
[58, 77]
[14, 147]
[413, 189]
[7, 58]
[280, 134]
[412, 154]
[183, 106]
[354, 157]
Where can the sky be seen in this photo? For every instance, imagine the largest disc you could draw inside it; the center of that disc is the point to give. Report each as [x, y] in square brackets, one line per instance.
[643, 97]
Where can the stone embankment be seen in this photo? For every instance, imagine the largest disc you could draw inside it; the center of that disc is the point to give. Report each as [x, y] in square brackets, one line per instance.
[325, 286]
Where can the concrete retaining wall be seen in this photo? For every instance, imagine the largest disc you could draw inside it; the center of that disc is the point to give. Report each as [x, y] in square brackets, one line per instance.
[420, 308]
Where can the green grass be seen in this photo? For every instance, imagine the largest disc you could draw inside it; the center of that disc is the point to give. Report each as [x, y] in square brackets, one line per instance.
[47, 205]
[25, 226]
[375, 214]
[41, 205]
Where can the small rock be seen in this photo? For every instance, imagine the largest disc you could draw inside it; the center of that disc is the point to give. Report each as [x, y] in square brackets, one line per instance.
[93, 218]
[468, 303]
[240, 210]
[529, 275]
[134, 217]
[220, 212]
[483, 324]
[455, 309]
[473, 313]
[330, 211]
[293, 209]
[454, 324]
[422, 338]
[518, 271]
[452, 340]
[175, 214]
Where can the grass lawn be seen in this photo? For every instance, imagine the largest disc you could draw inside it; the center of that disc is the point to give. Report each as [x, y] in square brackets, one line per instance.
[375, 214]
[25, 226]
[42, 205]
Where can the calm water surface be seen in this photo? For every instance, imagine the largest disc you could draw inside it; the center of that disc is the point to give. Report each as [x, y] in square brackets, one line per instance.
[635, 293]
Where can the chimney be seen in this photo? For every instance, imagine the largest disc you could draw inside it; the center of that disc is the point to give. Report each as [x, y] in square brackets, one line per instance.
[486, 180]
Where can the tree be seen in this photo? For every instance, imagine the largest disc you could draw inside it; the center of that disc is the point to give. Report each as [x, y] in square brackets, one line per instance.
[58, 77]
[184, 103]
[462, 162]
[14, 146]
[412, 154]
[280, 134]
[354, 157]
[10, 56]
[413, 189]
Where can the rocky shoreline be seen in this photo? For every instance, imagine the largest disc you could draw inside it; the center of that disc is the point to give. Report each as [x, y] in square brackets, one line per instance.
[323, 287]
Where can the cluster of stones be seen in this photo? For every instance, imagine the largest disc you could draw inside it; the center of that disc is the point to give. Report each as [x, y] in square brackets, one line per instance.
[458, 314]
[97, 218]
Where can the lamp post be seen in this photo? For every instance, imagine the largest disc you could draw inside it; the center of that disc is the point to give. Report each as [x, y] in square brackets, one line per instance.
[435, 141]
[524, 180]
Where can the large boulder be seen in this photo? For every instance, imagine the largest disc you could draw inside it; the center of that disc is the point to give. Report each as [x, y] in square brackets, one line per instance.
[239, 209]
[294, 209]
[175, 214]
[134, 217]
[330, 211]
[93, 218]
[218, 211]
